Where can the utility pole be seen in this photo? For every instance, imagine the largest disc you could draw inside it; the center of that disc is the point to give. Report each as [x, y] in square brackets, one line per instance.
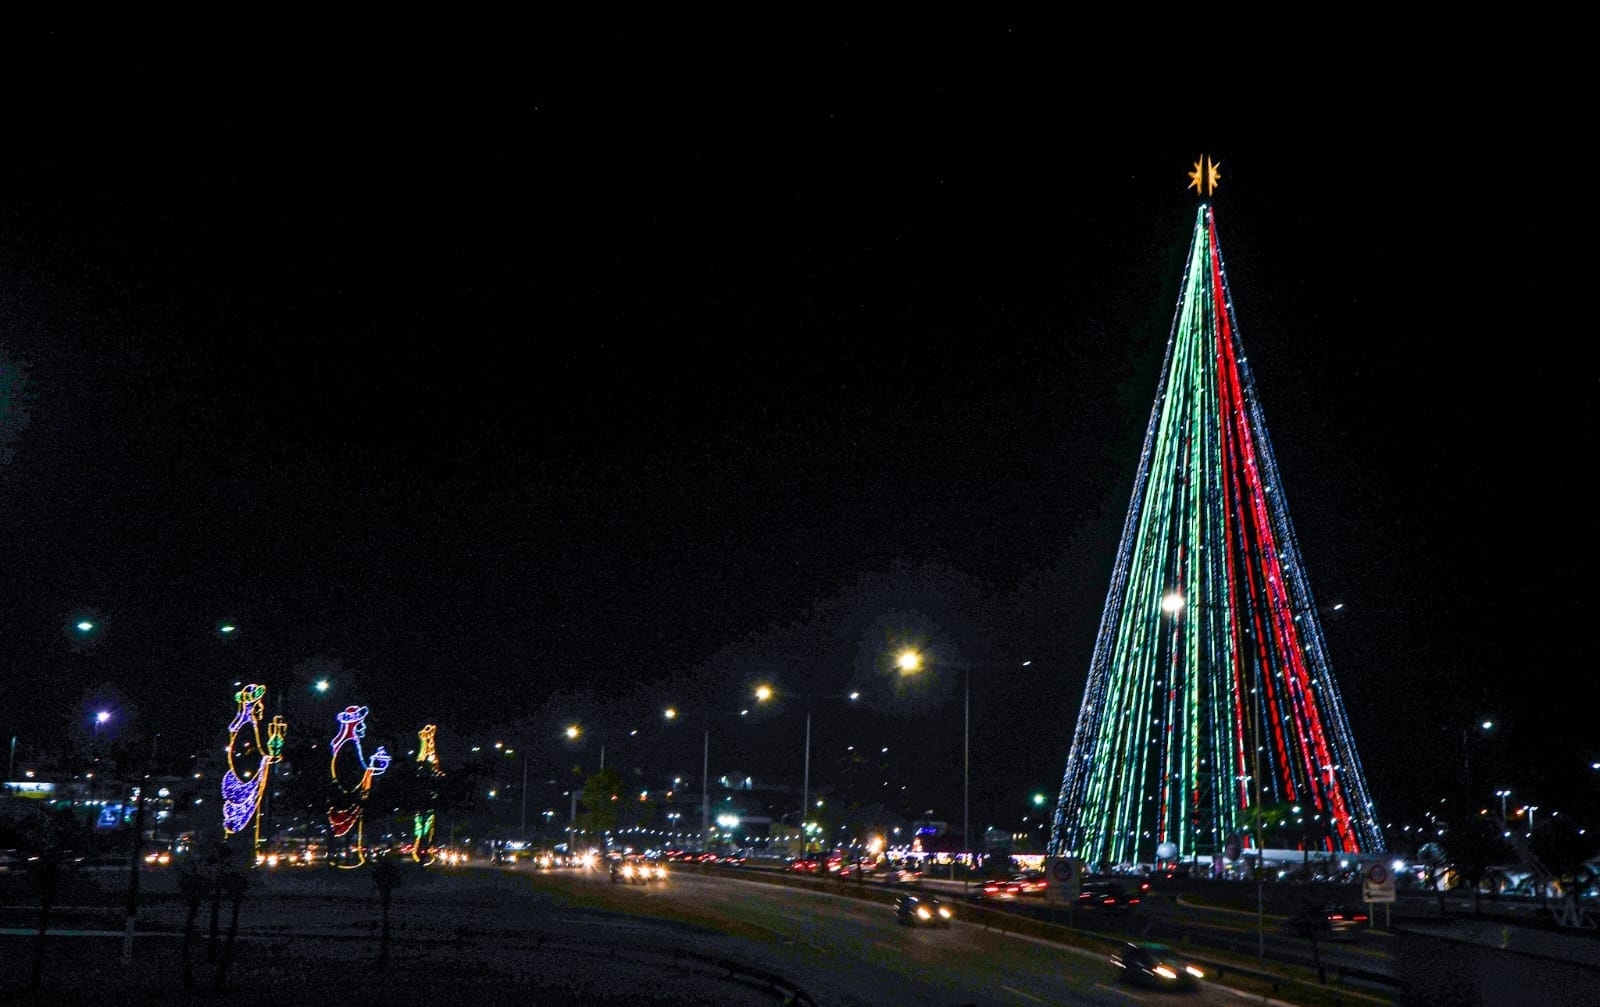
[523, 835]
[132, 912]
[805, 787]
[966, 776]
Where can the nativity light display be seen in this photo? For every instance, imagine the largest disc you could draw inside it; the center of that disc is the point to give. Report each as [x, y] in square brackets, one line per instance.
[1211, 703]
[353, 772]
[244, 784]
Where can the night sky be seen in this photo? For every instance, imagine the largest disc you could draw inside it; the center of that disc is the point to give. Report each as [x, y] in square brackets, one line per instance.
[513, 369]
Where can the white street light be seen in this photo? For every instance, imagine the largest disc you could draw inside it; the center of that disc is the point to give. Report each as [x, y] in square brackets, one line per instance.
[805, 784]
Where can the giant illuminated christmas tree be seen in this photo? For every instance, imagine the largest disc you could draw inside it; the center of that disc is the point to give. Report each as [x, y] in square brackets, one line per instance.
[1211, 716]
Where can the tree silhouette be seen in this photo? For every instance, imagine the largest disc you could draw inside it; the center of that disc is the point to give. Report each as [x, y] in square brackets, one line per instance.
[386, 878]
[602, 792]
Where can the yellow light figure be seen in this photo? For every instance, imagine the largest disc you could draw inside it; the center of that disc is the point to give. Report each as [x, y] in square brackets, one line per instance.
[352, 774]
[422, 849]
[245, 785]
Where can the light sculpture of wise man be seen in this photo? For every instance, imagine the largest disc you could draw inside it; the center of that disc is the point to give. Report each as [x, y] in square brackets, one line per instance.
[244, 785]
[352, 773]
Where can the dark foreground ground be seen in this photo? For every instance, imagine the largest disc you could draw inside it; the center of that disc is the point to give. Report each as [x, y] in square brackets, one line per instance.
[315, 938]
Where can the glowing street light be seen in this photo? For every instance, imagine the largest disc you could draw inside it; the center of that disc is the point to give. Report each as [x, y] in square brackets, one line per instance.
[909, 661]
[762, 694]
[1503, 794]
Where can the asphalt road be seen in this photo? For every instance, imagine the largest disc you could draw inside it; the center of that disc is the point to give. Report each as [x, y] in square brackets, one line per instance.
[846, 946]
[572, 937]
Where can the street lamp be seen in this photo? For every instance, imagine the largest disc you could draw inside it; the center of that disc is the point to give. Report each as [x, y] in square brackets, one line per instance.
[762, 694]
[909, 662]
[1485, 727]
[1503, 794]
[805, 784]
[765, 693]
[575, 731]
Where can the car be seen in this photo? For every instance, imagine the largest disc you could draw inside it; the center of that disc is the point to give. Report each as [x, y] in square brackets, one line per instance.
[1155, 966]
[804, 865]
[993, 890]
[636, 870]
[1111, 895]
[922, 910]
[1330, 921]
[902, 876]
[1344, 923]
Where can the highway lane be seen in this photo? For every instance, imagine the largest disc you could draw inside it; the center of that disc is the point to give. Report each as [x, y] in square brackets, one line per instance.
[1170, 916]
[528, 929]
[837, 943]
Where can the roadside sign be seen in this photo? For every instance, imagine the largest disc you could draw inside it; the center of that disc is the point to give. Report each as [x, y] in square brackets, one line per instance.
[1377, 883]
[1063, 875]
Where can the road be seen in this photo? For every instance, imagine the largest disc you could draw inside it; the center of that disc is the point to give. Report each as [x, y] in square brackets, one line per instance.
[843, 945]
[574, 930]
[1172, 917]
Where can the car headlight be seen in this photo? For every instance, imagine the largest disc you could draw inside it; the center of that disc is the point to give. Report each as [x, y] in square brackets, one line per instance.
[944, 911]
[922, 913]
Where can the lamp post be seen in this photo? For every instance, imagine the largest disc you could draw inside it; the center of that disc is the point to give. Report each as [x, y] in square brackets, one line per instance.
[1504, 826]
[523, 833]
[575, 731]
[1484, 727]
[762, 694]
[805, 780]
[909, 661]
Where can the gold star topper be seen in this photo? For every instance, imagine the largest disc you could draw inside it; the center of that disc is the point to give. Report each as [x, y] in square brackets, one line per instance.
[1205, 176]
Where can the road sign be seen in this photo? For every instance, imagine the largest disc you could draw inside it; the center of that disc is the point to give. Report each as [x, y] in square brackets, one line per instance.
[1377, 883]
[1063, 875]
